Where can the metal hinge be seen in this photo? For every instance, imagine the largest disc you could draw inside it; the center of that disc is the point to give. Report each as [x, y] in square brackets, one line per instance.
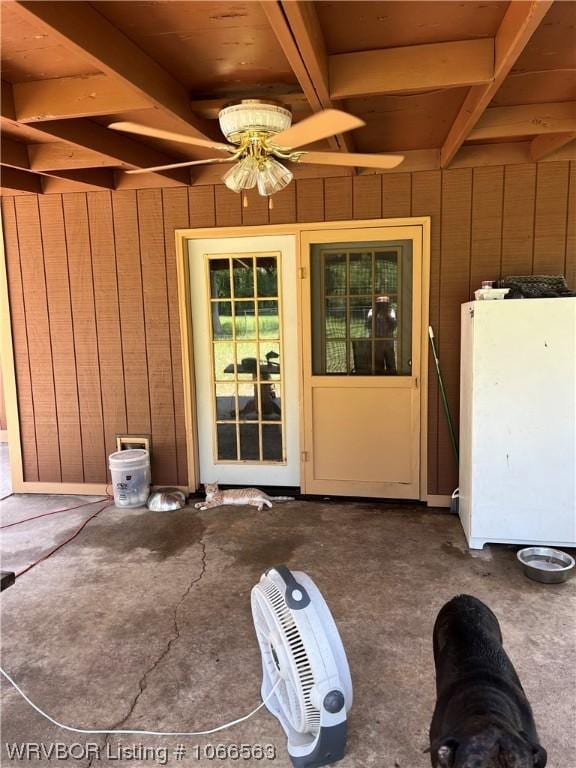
[302, 272]
[304, 456]
[416, 382]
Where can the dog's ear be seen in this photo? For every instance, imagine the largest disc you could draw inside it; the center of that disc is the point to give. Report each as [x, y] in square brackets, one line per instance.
[540, 756]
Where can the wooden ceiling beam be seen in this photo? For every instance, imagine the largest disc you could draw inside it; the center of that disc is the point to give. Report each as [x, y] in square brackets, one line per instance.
[281, 29]
[411, 68]
[525, 120]
[86, 134]
[305, 26]
[14, 154]
[68, 181]
[545, 145]
[89, 178]
[7, 101]
[145, 180]
[62, 156]
[504, 153]
[68, 97]
[519, 23]
[297, 30]
[89, 135]
[19, 181]
[79, 27]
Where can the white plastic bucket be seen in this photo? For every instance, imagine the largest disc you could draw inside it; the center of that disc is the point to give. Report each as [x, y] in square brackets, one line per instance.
[130, 472]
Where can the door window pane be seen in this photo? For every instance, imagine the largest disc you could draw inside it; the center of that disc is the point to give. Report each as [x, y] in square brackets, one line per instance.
[335, 274]
[267, 276]
[225, 402]
[219, 270]
[362, 309]
[360, 316]
[224, 364]
[249, 442]
[221, 317]
[248, 402]
[244, 320]
[335, 358]
[386, 268]
[226, 440]
[246, 345]
[272, 442]
[360, 271]
[243, 270]
[268, 320]
[219, 278]
[335, 319]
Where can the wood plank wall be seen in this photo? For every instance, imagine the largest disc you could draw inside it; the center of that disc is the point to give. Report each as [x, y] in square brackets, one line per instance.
[3, 422]
[92, 282]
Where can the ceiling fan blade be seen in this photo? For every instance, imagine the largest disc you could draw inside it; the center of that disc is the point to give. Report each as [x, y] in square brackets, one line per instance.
[159, 133]
[183, 165]
[319, 126]
[352, 158]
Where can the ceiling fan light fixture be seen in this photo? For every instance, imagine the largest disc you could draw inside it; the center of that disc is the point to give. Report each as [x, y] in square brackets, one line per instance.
[243, 175]
[254, 116]
[272, 177]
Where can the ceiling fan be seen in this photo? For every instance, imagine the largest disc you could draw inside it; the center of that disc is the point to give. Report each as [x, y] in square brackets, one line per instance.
[260, 132]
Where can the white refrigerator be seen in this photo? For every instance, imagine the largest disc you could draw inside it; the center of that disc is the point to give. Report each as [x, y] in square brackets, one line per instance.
[518, 422]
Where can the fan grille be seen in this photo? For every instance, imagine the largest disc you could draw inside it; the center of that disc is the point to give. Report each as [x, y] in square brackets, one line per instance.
[297, 651]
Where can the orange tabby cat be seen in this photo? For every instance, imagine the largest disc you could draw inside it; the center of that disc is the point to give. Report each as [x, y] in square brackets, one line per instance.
[237, 496]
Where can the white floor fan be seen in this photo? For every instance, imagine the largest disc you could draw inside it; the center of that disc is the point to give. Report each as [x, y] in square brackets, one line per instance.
[261, 133]
[306, 679]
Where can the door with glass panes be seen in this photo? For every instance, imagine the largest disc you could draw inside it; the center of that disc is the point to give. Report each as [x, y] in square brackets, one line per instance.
[243, 296]
[361, 329]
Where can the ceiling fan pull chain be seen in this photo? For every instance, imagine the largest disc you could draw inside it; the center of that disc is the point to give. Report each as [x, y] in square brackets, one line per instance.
[270, 203]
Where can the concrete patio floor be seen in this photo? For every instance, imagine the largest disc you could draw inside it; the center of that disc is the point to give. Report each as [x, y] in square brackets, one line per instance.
[144, 621]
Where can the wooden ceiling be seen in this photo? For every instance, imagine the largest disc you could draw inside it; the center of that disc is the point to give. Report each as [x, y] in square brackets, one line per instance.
[447, 83]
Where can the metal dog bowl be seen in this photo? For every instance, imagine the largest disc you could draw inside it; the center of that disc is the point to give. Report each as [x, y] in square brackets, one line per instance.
[166, 500]
[550, 566]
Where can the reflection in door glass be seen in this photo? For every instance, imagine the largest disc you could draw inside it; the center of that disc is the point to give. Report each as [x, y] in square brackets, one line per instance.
[226, 437]
[272, 442]
[220, 278]
[243, 270]
[361, 299]
[247, 373]
[249, 442]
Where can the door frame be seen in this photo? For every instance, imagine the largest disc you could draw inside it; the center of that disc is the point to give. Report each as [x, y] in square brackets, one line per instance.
[186, 336]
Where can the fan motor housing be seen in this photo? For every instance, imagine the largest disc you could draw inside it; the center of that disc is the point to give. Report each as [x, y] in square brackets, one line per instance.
[253, 116]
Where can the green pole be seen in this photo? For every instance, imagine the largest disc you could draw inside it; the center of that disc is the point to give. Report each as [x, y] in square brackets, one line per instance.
[443, 393]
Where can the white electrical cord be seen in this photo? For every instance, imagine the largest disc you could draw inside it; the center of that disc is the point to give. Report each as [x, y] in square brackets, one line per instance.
[93, 731]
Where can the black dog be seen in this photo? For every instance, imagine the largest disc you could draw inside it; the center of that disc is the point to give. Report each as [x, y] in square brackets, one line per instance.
[482, 717]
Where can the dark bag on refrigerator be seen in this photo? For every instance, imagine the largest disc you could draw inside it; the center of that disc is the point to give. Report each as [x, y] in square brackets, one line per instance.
[536, 287]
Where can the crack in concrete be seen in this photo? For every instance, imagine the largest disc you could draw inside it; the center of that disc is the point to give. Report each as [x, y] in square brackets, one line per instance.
[143, 682]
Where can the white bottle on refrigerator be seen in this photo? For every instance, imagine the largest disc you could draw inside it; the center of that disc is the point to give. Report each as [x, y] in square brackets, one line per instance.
[518, 422]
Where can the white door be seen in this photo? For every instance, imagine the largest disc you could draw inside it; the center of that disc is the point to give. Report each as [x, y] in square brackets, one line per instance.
[243, 294]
